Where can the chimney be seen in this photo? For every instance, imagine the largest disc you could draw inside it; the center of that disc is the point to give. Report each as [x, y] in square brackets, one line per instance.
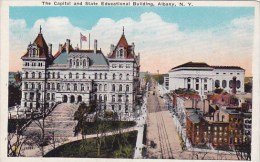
[50, 49]
[133, 47]
[60, 47]
[95, 46]
[112, 48]
[234, 85]
[67, 45]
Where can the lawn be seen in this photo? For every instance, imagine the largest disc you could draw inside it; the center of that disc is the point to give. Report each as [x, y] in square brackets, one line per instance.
[114, 146]
[91, 127]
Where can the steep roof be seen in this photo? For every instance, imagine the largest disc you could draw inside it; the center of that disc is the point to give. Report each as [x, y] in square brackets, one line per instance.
[42, 45]
[122, 43]
[95, 58]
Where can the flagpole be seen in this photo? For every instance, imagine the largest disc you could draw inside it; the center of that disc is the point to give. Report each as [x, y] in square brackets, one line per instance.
[89, 41]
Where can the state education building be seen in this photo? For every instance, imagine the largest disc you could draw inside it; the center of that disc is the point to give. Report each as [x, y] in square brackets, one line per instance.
[74, 75]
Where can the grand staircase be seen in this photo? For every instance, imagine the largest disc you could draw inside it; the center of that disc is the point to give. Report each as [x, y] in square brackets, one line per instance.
[59, 122]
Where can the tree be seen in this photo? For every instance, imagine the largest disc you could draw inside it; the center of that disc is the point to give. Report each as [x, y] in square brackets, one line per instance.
[15, 142]
[14, 95]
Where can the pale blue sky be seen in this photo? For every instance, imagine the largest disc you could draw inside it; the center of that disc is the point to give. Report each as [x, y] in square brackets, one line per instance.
[188, 18]
[164, 36]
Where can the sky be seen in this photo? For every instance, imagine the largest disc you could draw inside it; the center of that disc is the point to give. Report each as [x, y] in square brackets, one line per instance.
[165, 37]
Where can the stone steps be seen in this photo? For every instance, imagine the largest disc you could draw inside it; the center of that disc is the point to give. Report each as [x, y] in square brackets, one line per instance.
[60, 121]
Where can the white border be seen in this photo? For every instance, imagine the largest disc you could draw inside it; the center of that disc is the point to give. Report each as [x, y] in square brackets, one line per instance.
[4, 68]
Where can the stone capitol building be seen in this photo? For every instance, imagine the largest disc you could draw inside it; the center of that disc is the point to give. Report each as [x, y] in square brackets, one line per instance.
[73, 75]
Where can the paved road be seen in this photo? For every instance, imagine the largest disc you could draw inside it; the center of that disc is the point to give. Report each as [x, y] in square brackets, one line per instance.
[161, 129]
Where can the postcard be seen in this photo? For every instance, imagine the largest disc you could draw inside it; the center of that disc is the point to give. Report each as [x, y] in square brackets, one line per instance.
[123, 80]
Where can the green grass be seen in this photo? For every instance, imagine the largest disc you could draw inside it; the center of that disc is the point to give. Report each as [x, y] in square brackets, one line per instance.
[91, 127]
[121, 148]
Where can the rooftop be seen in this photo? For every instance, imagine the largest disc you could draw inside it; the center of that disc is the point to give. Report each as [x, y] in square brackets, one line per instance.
[205, 65]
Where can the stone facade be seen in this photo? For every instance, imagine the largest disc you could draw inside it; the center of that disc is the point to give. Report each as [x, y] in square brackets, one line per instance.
[76, 75]
[204, 78]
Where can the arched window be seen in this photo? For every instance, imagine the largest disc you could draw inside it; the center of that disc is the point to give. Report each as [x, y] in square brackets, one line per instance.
[70, 75]
[53, 75]
[100, 76]
[105, 75]
[25, 85]
[120, 87]
[113, 87]
[105, 87]
[39, 86]
[238, 84]
[48, 86]
[100, 97]
[58, 75]
[224, 83]
[75, 87]
[48, 96]
[82, 87]
[77, 62]
[26, 75]
[100, 87]
[40, 75]
[58, 86]
[95, 75]
[114, 76]
[121, 53]
[120, 76]
[68, 86]
[127, 76]
[53, 86]
[83, 75]
[33, 75]
[127, 88]
[84, 62]
[230, 83]
[33, 85]
[77, 75]
[217, 83]
[113, 98]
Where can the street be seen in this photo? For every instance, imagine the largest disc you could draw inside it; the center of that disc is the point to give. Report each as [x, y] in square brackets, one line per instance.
[162, 137]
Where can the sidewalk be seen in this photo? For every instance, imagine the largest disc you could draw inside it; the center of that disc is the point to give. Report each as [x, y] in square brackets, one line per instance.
[140, 127]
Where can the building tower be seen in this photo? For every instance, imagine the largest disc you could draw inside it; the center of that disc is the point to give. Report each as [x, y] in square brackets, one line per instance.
[35, 61]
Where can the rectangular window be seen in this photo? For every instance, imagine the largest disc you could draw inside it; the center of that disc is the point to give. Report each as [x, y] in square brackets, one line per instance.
[120, 65]
[197, 86]
[205, 87]
[205, 80]
[197, 80]
[188, 86]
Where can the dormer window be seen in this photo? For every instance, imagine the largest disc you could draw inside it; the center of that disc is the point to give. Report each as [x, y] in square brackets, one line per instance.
[33, 50]
[120, 53]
